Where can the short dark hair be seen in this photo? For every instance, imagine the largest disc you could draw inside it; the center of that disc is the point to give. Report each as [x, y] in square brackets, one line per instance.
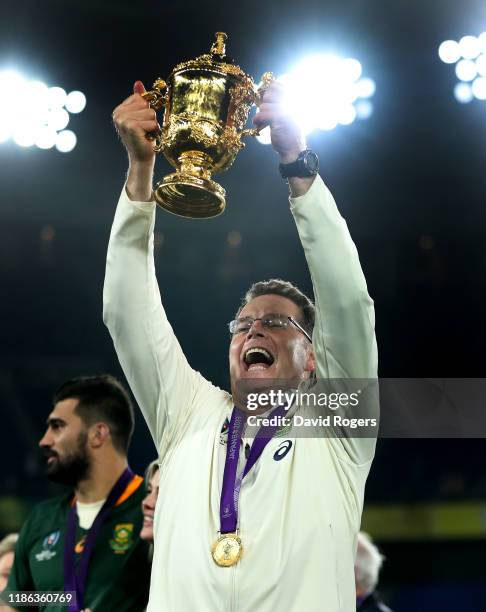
[101, 398]
[277, 286]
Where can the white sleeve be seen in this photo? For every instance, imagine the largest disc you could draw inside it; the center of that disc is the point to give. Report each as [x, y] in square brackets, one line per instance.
[163, 383]
[344, 332]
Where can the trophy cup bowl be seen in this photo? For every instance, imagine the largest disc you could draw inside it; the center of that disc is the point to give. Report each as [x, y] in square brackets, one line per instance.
[206, 103]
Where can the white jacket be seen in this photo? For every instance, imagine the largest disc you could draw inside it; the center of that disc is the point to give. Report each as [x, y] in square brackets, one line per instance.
[299, 516]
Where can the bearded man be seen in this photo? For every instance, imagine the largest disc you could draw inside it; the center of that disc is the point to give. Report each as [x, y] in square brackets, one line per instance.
[87, 542]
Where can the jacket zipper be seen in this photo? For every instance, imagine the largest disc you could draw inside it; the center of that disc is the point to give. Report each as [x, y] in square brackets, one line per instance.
[232, 607]
[233, 603]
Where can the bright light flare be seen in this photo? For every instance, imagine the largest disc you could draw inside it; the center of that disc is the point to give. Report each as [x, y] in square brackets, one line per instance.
[449, 51]
[469, 47]
[463, 93]
[23, 136]
[75, 102]
[482, 42]
[58, 119]
[479, 88]
[31, 113]
[45, 138]
[481, 65]
[324, 91]
[466, 70]
[469, 55]
[66, 141]
[364, 109]
[264, 136]
[9, 80]
[57, 97]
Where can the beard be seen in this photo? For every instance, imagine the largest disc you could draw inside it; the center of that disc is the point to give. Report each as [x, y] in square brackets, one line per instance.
[72, 468]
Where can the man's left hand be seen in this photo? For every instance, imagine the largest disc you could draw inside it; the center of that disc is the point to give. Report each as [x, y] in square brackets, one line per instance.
[287, 138]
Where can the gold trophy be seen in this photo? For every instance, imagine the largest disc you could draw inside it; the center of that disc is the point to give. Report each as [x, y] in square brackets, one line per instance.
[206, 103]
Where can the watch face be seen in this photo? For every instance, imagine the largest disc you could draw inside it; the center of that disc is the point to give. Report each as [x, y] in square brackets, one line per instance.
[311, 162]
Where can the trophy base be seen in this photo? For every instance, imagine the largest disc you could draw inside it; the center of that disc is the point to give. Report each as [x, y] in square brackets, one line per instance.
[189, 196]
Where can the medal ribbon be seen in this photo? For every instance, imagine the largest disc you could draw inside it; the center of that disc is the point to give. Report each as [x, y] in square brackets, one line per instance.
[76, 580]
[230, 492]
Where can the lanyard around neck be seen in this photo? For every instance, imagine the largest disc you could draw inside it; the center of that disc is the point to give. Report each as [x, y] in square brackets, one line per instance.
[230, 492]
[76, 580]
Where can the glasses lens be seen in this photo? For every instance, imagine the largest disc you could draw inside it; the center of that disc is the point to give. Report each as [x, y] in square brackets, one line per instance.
[273, 321]
[240, 325]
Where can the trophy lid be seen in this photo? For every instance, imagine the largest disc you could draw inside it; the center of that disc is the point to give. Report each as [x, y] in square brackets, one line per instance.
[216, 59]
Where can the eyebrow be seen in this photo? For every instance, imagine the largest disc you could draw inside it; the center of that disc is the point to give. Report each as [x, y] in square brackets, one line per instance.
[55, 421]
[267, 314]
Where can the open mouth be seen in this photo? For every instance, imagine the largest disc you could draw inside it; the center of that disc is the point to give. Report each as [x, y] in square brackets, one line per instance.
[258, 358]
[148, 520]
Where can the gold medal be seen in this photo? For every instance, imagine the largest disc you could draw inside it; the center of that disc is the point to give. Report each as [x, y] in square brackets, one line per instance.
[227, 549]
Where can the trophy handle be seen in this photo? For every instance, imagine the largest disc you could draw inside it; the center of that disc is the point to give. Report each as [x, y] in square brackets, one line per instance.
[267, 79]
[250, 132]
[157, 98]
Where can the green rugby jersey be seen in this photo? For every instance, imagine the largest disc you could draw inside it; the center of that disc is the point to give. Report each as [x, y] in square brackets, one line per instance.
[119, 569]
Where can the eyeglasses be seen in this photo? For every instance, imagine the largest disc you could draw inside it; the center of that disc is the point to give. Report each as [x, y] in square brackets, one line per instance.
[269, 321]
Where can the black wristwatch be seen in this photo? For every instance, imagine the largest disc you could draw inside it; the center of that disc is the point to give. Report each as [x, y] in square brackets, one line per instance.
[306, 165]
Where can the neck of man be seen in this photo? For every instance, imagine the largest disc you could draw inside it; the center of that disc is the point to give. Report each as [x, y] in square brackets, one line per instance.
[102, 477]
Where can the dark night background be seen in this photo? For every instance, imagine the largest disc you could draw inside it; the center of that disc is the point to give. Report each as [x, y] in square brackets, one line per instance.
[410, 181]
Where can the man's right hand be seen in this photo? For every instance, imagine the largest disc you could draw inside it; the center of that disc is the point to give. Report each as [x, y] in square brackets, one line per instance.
[134, 119]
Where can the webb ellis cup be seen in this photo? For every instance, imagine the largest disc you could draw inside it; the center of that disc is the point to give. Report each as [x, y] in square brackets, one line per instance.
[206, 103]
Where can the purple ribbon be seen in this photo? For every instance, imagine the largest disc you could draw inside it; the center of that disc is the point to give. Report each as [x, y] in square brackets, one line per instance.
[230, 492]
[76, 581]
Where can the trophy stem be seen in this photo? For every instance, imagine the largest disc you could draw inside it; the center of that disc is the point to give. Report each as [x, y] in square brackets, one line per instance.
[190, 191]
[195, 163]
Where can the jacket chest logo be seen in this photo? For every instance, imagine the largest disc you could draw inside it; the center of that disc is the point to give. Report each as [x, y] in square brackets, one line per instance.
[48, 544]
[122, 538]
[282, 450]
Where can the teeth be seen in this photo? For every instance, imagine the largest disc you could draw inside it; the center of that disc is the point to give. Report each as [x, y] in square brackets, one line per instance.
[258, 350]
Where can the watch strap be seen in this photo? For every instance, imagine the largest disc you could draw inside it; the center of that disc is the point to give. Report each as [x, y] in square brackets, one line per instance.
[299, 168]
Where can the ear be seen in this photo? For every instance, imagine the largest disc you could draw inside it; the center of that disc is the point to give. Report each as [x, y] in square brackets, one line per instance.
[98, 435]
[310, 365]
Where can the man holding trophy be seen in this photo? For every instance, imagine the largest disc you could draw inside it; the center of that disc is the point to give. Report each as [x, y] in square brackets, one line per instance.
[248, 525]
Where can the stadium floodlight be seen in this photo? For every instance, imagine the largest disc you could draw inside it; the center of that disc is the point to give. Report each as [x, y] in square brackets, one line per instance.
[45, 138]
[31, 113]
[364, 109]
[65, 141]
[466, 70]
[482, 42]
[449, 51]
[469, 55]
[324, 91]
[57, 119]
[76, 101]
[469, 47]
[481, 64]
[463, 93]
[57, 97]
[479, 88]
[24, 137]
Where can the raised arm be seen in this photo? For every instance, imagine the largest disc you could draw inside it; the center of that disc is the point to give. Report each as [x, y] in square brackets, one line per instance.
[163, 383]
[344, 336]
